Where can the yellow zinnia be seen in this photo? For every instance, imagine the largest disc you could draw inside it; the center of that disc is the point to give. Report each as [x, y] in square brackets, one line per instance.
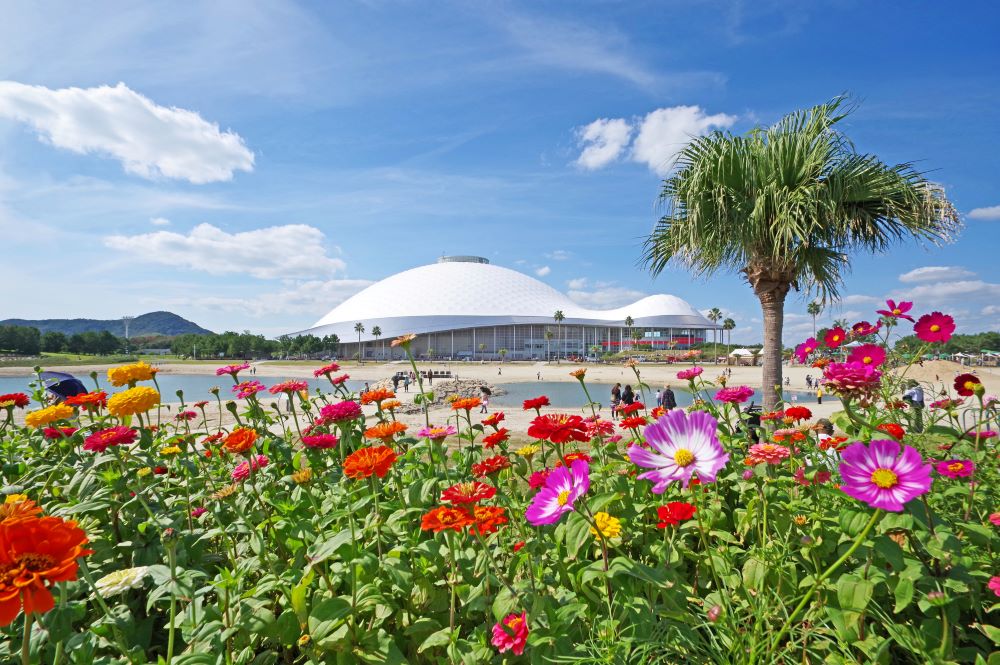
[170, 450]
[132, 401]
[610, 527]
[48, 415]
[528, 451]
[128, 374]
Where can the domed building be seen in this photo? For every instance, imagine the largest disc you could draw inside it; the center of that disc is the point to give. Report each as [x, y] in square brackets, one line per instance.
[464, 307]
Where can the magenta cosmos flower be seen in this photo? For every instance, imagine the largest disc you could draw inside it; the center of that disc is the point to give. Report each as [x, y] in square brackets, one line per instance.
[896, 310]
[864, 329]
[683, 444]
[934, 327]
[736, 395]
[803, 350]
[852, 379]
[511, 633]
[835, 337]
[690, 374]
[878, 475]
[867, 354]
[562, 487]
[955, 468]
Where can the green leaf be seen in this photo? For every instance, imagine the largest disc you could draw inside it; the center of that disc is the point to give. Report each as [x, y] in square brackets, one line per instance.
[904, 594]
[577, 533]
[854, 593]
[327, 617]
[327, 548]
[754, 573]
[440, 638]
[299, 593]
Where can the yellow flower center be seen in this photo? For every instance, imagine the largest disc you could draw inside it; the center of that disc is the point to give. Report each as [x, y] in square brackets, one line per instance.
[970, 385]
[563, 497]
[514, 622]
[885, 478]
[867, 360]
[897, 311]
[935, 328]
[955, 467]
[683, 457]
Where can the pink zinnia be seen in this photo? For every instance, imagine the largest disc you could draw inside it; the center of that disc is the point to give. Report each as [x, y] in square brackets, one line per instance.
[562, 487]
[736, 395]
[326, 371]
[803, 350]
[101, 440]
[186, 415]
[769, 453]
[511, 633]
[242, 470]
[896, 311]
[435, 433]
[981, 436]
[338, 380]
[198, 512]
[538, 478]
[53, 433]
[882, 477]
[321, 441]
[689, 374]
[867, 354]
[247, 388]
[852, 379]
[934, 327]
[338, 412]
[835, 337]
[994, 585]
[955, 468]
[288, 387]
[232, 370]
[683, 444]
[995, 519]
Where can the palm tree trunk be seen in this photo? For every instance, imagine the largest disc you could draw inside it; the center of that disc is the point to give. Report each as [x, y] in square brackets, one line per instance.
[771, 286]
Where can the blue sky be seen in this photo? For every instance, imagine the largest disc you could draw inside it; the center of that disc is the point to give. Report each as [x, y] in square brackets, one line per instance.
[250, 165]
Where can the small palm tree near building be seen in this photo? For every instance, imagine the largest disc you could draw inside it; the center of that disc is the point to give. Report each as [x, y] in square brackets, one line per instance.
[559, 316]
[727, 326]
[714, 315]
[376, 333]
[629, 322]
[360, 328]
[548, 339]
[814, 309]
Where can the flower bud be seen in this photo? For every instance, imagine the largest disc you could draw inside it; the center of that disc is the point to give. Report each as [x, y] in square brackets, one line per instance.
[714, 613]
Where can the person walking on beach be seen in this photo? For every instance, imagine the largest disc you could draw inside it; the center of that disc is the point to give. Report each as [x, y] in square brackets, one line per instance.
[499, 371]
[616, 399]
[809, 381]
[627, 395]
[484, 404]
[406, 383]
[667, 399]
[914, 397]
[395, 382]
[819, 394]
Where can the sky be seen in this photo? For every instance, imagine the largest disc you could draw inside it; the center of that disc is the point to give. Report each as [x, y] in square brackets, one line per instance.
[251, 165]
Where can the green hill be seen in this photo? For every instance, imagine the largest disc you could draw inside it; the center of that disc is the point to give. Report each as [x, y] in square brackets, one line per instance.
[153, 323]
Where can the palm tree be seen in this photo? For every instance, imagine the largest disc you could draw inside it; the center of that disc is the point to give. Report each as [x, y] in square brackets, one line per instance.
[559, 316]
[814, 308]
[728, 326]
[714, 315]
[482, 349]
[360, 328]
[548, 338]
[784, 205]
[841, 323]
[376, 333]
[503, 354]
[629, 321]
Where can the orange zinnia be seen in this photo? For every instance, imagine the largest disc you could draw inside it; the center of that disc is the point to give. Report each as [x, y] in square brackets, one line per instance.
[366, 462]
[240, 440]
[385, 431]
[376, 395]
[444, 518]
[467, 403]
[36, 552]
[16, 506]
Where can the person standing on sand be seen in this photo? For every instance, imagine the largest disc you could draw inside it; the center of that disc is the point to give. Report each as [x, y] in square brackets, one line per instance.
[616, 399]
[819, 394]
[406, 383]
[914, 397]
[499, 371]
[667, 399]
[484, 404]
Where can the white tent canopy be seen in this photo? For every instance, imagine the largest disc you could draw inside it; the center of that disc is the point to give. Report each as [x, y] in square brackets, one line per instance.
[741, 352]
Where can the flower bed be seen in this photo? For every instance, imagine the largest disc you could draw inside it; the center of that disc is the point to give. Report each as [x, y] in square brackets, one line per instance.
[329, 536]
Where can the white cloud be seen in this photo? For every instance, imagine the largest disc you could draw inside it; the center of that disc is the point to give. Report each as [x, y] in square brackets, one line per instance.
[664, 132]
[559, 255]
[605, 298]
[990, 310]
[857, 299]
[289, 251]
[577, 283]
[543, 271]
[990, 213]
[603, 141]
[945, 293]
[159, 221]
[312, 297]
[935, 274]
[149, 140]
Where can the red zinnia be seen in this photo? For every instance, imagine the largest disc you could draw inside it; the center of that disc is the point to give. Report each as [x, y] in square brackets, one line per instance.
[365, 462]
[89, 401]
[536, 403]
[674, 513]
[444, 518]
[53, 433]
[965, 384]
[558, 428]
[893, 430]
[631, 408]
[493, 419]
[834, 337]
[572, 457]
[538, 478]
[468, 492]
[491, 465]
[934, 327]
[499, 436]
[635, 422]
[99, 441]
[798, 413]
[326, 371]
[20, 400]
[288, 387]
[488, 519]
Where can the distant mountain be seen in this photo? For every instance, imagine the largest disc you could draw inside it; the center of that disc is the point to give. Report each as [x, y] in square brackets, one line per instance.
[154, 323]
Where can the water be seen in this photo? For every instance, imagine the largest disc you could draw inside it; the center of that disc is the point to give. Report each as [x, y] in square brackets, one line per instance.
[561, 394]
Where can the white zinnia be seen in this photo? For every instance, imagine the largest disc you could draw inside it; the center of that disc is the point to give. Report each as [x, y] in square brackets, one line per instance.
[121, 581]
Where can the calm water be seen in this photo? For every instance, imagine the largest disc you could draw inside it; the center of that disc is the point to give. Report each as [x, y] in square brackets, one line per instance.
[563, 395]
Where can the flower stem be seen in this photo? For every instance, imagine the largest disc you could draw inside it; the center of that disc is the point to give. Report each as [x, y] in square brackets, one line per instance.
[29, 619]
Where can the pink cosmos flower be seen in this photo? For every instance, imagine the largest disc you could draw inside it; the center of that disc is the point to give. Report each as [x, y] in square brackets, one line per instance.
[198, 512]
[803, 350]
[878, 475]
[834, 337]
[435, 433]
[320, 441]
[896, 311]
[247, 388]
[232, 370]
[852, 379]
[683, 444]
[242, 470]
[736, 395]
[338, 412]
[955, 468]
[864, 329]
[288, 387]
[511, 633]
[934, 327]
[867, 354]
[562, 488]
[994, 585]
[690, 374]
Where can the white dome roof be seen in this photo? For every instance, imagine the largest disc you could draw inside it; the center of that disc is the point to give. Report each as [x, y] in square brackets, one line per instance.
[453, 294]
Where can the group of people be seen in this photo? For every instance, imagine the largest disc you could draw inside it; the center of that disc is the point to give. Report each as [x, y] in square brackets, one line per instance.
[622, 397]
[405, 378]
